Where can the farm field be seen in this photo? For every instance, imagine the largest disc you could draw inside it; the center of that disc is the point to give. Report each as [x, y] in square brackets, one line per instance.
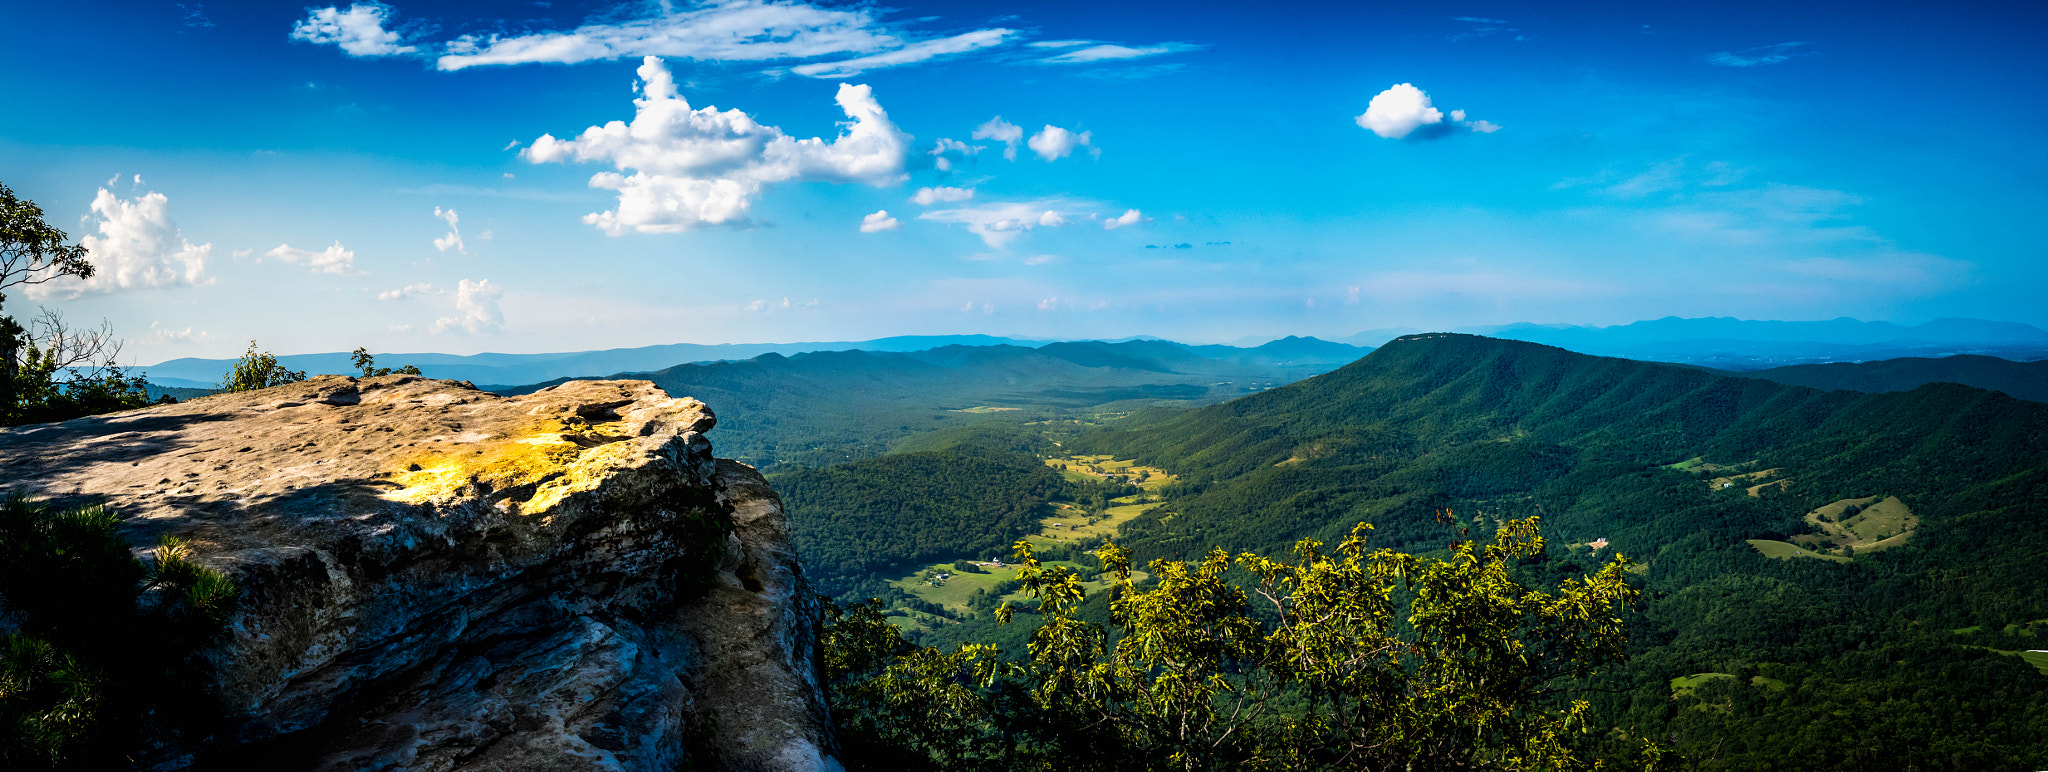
[1867, 524]
[954, 591]
[1786, 551]
[1069, 524]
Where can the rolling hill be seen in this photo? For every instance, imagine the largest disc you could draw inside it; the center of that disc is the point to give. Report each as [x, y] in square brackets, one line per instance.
[1620, 454]
[823, 408]
[1743, 344]
[2025, 380]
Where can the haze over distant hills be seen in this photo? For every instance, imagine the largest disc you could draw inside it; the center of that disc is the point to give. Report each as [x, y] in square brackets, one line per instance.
[519, 369]
[1742, 344]
[1722, 343]
[2025, 380]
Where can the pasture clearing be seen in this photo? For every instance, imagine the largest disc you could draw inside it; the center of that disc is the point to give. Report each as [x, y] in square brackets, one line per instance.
[1090, 468]
[954, 591]
[985, 409]
[1785, 551]
[1754, 482]
[1867, 524]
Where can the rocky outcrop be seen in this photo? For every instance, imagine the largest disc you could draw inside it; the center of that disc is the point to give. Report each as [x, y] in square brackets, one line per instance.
[438, 578]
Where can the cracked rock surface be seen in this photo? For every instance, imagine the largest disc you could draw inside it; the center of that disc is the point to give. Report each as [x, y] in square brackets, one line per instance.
[439, 578]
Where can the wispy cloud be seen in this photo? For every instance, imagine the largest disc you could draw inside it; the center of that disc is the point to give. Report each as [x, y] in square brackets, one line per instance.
[853, 39]
[929, 196]
[1761, 55]
[910, 54]
[421, 289]
[1480, 26]
[999, 223]
[335, 259]
[476, 309]
[195, 16]
[1109, 52]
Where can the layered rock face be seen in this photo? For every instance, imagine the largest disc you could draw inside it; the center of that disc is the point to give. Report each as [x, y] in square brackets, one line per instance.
[438, 578]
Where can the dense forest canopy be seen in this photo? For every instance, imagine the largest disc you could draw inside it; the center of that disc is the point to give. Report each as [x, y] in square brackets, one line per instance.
[1901, 655]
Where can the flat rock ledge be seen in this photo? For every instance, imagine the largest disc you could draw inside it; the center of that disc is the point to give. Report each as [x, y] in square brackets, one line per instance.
[439, 578]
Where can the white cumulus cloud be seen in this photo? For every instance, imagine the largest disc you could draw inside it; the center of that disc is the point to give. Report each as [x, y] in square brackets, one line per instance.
[137, 247]
[1053, 143]
[1001, 131]
[454, 237]
[1129, 217]
[476, 306]
[359, 31]
[929, 196]
[334, 259]
[879, 221]
[1052, 219]
[694, 167]
[1399, 112]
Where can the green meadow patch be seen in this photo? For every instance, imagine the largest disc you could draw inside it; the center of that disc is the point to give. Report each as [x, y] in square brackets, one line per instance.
[1787, 551]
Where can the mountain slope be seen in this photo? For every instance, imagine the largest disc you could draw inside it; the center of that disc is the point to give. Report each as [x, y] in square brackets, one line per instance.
[2025, 380]
[1491, 429]
[830, 407]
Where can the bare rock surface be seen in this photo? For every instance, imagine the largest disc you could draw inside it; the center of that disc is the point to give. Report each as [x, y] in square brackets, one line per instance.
[438, 578]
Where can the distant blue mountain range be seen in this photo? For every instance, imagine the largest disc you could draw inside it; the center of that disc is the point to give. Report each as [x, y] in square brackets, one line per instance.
[1719, 342]
[1138, 353]
[1742, 344]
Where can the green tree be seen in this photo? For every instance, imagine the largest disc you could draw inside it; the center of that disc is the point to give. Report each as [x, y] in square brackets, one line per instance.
[368, 364]
[50, 371]
[257, 369]
[1325, 671]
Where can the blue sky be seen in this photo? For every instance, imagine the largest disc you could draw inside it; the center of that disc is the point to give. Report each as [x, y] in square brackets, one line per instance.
[417, 176]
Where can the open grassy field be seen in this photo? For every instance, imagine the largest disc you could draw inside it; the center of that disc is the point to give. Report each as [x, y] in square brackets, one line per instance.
[1878, 524]
[956, 588]
[1785, 551]
[1085, 468]
[1070, 523]
[1754, 482]
[1683, 686]
[2039, 659]
[986, 409]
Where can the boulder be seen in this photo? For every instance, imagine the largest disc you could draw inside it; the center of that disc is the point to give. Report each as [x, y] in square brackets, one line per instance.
[438, 578]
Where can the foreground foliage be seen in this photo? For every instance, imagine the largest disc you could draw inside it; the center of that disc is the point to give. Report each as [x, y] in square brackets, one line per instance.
[258, 369]
[95, 640]
[51, 371]
[1254, 663]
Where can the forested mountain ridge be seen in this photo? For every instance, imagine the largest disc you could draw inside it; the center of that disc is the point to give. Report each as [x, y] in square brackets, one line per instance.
[1493, 429]
[828, 407]
[2025, 380]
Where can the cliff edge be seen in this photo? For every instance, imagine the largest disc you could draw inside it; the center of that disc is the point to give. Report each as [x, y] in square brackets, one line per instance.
[438, 578]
